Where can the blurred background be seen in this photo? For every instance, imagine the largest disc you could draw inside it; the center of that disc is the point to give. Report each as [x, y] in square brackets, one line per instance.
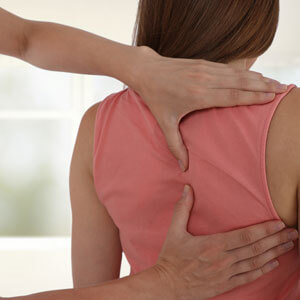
[40, 113]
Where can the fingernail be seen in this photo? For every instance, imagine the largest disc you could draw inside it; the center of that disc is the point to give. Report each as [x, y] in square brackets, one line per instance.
[181, 165]
[185, 191]
[293, 235]
[272, 265]
[279, 226]
[288, 245]
[270, 96]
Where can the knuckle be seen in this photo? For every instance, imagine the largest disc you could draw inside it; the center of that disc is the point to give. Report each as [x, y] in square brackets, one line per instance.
[257, 248]
[283, 237]
[268, 229]
[246, 237]
[254, 264]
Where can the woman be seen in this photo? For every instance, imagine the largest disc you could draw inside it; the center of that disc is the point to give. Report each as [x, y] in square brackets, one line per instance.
[61, 48]
[239, 176]
[151, 75]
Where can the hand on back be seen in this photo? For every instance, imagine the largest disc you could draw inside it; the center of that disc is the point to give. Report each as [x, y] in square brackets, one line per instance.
[172, 88]
[201, 267]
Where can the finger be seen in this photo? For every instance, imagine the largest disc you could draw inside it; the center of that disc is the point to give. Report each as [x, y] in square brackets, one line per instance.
[265, 244]
[249, 235]
[260, 260]
[201, 62]
[182, 211]
[220, 69]
[203, 70]
[233, 97]
[176, 145]
[249, 84]
[242, 279]
[214, 68]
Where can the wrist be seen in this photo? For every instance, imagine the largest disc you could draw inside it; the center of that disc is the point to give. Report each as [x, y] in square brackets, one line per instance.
[133, 66]
[137, 67]
[158, 283]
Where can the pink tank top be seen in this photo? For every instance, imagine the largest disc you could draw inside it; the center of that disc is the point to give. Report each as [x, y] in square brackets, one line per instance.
[139, 181]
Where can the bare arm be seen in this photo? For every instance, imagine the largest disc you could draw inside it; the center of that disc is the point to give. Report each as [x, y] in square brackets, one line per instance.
[239, 257]
[61, 48]
[171, 88]
[12, 34]
[147, 285]
[283, 158]
[96, 248]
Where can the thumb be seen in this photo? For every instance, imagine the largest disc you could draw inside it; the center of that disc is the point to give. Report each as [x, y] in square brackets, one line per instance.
[182, 211]
[176, 145]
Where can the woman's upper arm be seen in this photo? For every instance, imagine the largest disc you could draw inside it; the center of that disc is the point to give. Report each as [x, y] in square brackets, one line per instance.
[96, 248]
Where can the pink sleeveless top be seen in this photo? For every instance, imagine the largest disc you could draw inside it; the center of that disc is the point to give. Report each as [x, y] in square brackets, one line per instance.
[139, 181]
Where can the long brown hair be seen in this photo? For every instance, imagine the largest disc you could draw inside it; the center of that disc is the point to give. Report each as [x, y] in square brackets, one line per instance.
[215, 30]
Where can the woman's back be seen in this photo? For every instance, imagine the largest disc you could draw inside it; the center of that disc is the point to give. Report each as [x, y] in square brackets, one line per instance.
[138, 180]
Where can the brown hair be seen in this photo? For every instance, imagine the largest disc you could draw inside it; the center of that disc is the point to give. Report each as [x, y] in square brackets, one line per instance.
[215, 30]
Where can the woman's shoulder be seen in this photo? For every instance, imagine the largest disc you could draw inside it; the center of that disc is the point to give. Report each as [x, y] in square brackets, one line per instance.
[89, 123]
[91, 114]
[285, 125]
[283, 156]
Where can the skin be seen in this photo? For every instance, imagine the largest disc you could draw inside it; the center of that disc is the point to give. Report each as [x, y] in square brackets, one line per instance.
[56, 47]
[283, 159]
[283, 154]
[202, 85]
[193, 264]
[95, 238]
[239, 257]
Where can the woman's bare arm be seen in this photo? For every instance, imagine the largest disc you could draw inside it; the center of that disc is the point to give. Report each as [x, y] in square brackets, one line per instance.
[96, 248]
[283, 158]
[239, 257]
[171, 88]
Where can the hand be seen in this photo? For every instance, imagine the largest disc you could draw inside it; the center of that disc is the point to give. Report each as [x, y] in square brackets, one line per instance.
[206, 266]
[172, 88]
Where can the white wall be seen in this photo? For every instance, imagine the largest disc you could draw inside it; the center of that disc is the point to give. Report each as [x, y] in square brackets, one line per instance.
[113, 19]
[287, 40]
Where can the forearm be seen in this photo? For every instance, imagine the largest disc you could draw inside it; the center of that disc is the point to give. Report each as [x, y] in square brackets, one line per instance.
[61, 48]
[146, 285]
